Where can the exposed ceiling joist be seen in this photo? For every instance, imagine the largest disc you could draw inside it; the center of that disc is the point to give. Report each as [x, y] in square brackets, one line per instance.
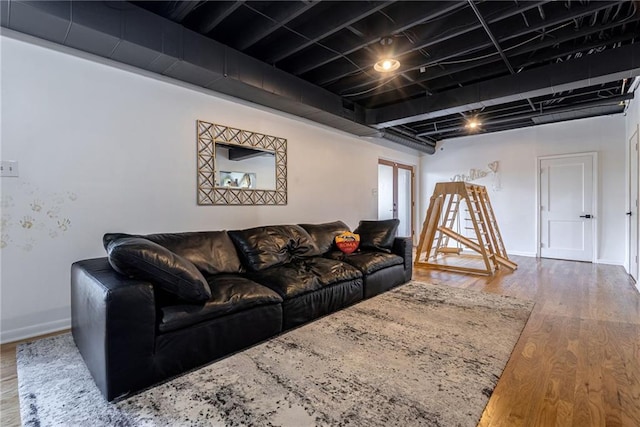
[615, 64]
[407, 20]
[254, 35]
[321, 29]
[223, 9]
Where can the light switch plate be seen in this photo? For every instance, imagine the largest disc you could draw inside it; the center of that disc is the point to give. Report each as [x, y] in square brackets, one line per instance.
[9, 168]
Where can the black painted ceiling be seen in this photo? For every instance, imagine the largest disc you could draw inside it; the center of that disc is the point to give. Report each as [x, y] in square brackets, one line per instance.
[446, 48]
[510, 64]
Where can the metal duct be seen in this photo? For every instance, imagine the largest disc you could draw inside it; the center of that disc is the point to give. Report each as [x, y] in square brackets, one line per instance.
[416, 143]
[131, 35]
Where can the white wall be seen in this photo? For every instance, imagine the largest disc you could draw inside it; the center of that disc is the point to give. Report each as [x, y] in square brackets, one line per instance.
[517, 150]
[103, 149]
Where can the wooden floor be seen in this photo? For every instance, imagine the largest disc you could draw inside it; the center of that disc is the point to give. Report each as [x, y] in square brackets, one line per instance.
[577, 362]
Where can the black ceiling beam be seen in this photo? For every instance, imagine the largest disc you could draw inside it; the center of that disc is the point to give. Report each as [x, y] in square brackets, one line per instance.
[408, 19]
[562, 36]
[253, 35]
[221, 12]
[530, 115]
[321, 28]
[182, 8]
[606, 66]
[505, 111]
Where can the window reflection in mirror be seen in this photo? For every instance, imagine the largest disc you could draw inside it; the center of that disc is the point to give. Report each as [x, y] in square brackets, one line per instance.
[246, 168]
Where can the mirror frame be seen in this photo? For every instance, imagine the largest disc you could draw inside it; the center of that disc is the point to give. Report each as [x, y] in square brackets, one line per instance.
[209, 194]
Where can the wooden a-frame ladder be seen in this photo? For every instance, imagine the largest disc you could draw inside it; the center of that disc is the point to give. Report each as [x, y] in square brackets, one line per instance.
[442, 217]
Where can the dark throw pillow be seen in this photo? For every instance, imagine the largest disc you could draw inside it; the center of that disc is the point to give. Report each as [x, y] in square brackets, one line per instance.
[264, 247]
[142, 259]
[212, 252]
[377, 235]
[324, 234]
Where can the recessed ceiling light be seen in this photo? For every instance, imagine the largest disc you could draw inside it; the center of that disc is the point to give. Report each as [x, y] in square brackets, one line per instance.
[473, 124]
[386, 65]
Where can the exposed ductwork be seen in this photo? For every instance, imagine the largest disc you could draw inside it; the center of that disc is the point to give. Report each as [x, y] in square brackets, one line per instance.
[134, 36]
[407, 140]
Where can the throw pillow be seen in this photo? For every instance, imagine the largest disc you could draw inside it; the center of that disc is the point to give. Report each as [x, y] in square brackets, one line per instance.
[324, 234]
[264, 247]
[377, 235]
[212, 252]
[142, 259]
[347, 242]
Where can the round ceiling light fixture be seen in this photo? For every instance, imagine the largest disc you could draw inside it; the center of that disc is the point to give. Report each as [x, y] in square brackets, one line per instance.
[386, 65]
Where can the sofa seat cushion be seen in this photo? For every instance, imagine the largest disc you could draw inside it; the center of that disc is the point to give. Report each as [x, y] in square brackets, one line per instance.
[229, 294]
[305, 275]
[367, 261]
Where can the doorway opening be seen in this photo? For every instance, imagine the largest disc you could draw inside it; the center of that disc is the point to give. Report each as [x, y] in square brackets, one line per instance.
[395, 195]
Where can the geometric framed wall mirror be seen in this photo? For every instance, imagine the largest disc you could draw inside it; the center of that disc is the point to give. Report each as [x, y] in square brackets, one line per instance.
[239, 167]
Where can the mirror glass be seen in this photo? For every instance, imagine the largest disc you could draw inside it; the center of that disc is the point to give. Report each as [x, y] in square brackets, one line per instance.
[239, 167]
[247, 168]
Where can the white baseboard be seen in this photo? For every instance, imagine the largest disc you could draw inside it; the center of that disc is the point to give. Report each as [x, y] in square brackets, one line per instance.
[521, 253]
[610, 262]
[34, 330]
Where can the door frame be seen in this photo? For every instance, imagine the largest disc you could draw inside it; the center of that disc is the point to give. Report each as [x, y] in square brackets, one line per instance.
[396, 165]
[634, 139]
[594, 201]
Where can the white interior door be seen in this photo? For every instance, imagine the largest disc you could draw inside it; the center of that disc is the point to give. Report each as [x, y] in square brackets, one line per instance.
[386, 208]
[395, 195]
[567, 207]
[633, 206]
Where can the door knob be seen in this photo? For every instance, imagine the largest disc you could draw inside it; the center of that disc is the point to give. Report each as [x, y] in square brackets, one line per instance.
[585, 216]
[629, 213]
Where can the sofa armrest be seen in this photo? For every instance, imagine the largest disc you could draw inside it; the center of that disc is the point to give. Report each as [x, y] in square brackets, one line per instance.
[403, 246]
[113, 322]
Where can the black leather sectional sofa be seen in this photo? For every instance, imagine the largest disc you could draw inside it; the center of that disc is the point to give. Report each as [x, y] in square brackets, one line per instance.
[162, 304]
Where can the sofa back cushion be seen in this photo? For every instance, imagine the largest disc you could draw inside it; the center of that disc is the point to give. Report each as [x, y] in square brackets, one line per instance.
[142, 259]
[264, 247]
[324, 235]
[210, 251]
[377, 235]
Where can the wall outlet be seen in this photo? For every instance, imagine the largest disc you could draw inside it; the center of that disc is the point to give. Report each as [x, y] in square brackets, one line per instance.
[9, 168]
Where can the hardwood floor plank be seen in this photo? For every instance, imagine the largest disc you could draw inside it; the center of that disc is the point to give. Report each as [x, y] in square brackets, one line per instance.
[577, 362]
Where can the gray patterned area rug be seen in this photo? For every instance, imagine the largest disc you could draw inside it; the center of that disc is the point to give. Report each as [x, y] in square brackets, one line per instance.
[419, 355]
